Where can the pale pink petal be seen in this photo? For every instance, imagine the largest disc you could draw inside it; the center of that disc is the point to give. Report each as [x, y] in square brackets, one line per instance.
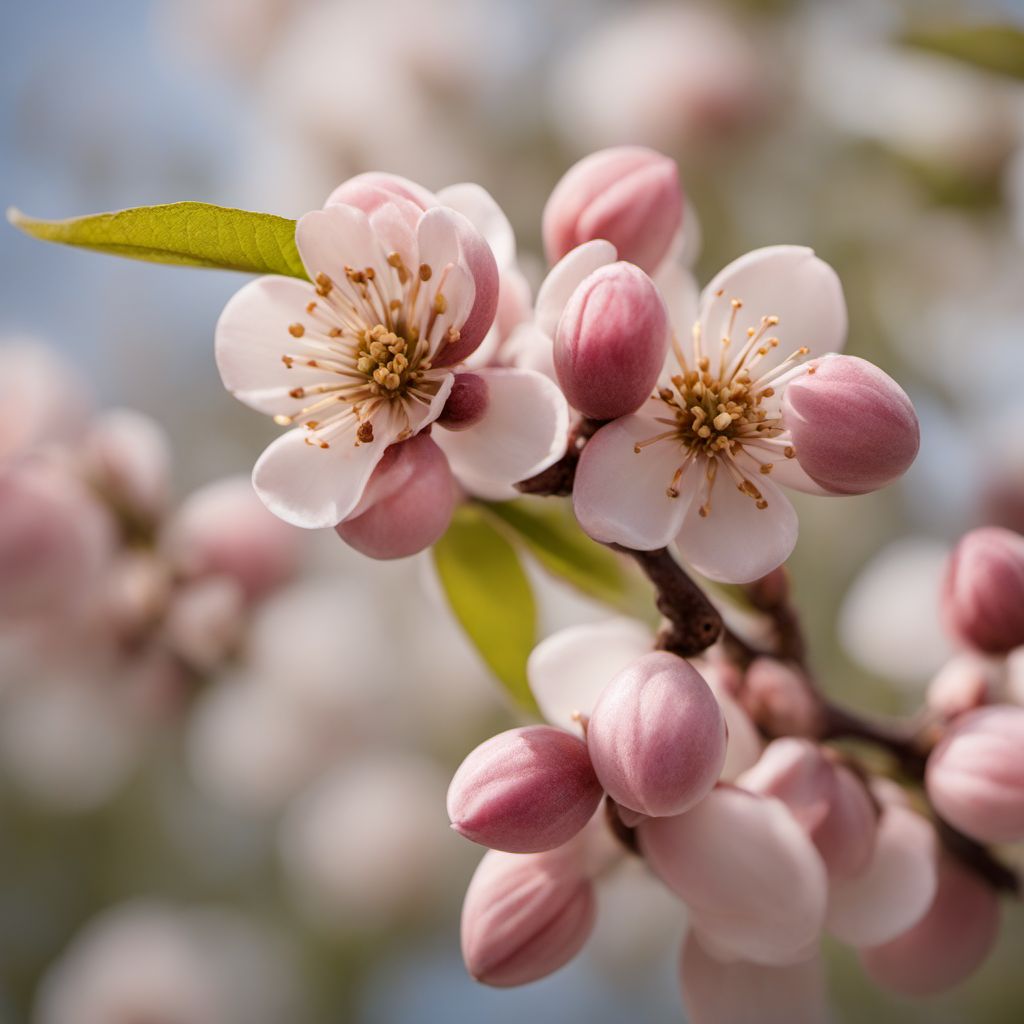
[372, 189]
[251, 338]
[563, 278]
[897, 888]
[477, 205]
[568, 670]
[737, 542]
[746, 993]
[334, 238]
[789, 473]
[529, 348]
[787, 281]
[394, 224]
[313, 487]
[524, 430]
[620, 495]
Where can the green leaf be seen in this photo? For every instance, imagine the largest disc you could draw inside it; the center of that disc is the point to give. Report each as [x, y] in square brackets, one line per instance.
[998, 48]
[490, 596]
[187, 234]
[548, 529]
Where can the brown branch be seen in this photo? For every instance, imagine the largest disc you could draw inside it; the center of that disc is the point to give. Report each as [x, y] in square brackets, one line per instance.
[556, 481]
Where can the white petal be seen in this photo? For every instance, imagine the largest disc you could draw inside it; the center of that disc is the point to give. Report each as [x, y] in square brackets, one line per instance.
[477, 205]
[679, 288]
[897, 888]
[252, 336]
[563, 278]
[524, 430]
[334, 238]
[529, 348]
[738, 542]
[313, 487]
[569, 669]
[438, 239]
[620, 494]
[416, 416]
[787, 281]
[745, 993]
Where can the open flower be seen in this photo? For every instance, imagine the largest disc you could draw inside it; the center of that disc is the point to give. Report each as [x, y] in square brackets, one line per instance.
[700, 462]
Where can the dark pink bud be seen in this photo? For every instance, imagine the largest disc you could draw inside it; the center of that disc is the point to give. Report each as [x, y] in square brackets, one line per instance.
[526, 915]
[524, 791]
[853, 427]
[947, 945]
[975, 776]
[657, 737]
[983, 593]
[611, 342]
[628, 195]
[408, 502]
[466, 404]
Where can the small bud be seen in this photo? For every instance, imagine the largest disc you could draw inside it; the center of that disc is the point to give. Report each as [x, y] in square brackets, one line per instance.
[975, 776]
[753, 881]
[628, 195]
[947, 945]
[408, 502]
[657, 737]
[854, 429]
[524, 791]
[611, 342]
[983, 593]
[780, 700]
[466, 404]
[526, 915]
[223, 529]
[961, 685]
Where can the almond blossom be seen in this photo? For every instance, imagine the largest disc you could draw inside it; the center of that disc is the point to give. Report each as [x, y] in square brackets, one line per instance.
[701, 461]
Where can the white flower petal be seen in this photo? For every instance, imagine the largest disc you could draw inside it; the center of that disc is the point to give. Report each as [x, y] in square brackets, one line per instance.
[339, 236]
[738, 542]
[563, 278]
[897, 888]
[477, 205]
[529, 348]
[620, 494]
[569, 669]
[313, 487]
[787, 281]
[524, 430]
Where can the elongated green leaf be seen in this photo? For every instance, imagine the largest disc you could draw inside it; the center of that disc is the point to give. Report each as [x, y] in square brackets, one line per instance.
[997, 48]
[491, 597]
[187, 234]
[549, 531]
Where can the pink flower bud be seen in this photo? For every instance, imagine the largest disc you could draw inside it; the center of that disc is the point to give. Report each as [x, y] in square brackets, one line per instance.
[628, 195]
[947, 945]
[526, 915]
[127, 457]
[753, 881]
[524, 790]
[657, 737]
[223, 529]
[780, 699]
[408, 502]
[853, 427]
[466, 403]
[611, 342]
[975, 776]
[983, 593]
[961, 685]
[846, 837]
[796, 772]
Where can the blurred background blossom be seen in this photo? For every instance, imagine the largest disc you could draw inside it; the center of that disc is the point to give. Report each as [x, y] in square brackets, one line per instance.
[213, 771]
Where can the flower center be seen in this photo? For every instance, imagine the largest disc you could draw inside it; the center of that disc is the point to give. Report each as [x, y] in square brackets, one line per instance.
[373, 336]
[717, 411]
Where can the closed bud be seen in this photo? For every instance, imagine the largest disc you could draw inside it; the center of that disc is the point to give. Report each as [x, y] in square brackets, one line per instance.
[525, 790]
[526, 915]
[983, 593]
[657, 737]
[628, 195]
[854, 429]
[408, 502]
[611, 342]
[780, 700]
[947, 945]
[975, 776]
[466, 404]
[961, 685]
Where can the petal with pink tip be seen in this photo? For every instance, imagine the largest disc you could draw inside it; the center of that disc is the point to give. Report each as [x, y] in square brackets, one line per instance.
[563, 278]
[568, 670]
[897, 888]
[746, 993]
[737, 542]
[373, 188]
[787, 281]
[524, 430]
[620, 495]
